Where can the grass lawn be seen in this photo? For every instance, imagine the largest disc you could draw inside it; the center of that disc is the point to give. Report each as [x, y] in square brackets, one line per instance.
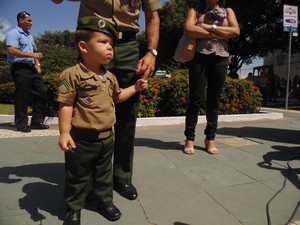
[7, 109]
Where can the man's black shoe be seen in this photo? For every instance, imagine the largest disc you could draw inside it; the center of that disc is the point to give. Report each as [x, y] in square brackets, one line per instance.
[25, 129]
[39, 126]
[72, 218]
[109, 211]
[126, 190]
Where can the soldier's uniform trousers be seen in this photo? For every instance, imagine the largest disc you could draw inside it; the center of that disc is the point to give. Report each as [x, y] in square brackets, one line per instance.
[89, 161]
[123, 67]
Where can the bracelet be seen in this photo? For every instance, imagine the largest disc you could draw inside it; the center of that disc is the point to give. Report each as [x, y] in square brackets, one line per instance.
[38, 64]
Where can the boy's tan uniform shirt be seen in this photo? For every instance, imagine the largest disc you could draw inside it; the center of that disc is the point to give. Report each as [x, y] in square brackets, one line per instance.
[92, 97]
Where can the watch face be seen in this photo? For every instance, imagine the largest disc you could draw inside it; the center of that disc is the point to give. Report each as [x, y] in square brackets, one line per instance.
[153, 51]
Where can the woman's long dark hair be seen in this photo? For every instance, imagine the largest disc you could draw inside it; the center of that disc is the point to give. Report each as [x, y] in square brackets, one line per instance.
[200, 5]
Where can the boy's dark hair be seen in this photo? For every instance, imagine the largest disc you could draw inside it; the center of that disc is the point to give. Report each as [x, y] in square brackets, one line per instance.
[82, 35]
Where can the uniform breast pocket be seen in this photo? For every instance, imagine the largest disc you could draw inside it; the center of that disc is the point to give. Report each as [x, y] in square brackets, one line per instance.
[130, 6]
[88, 96]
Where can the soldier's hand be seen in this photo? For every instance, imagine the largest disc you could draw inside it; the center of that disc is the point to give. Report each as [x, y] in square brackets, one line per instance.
[146, 65]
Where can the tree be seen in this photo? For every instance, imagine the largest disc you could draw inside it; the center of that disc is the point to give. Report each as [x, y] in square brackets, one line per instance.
[58, 50]
[261, 30]
[260, 23]
[4, 66]
[172, 16]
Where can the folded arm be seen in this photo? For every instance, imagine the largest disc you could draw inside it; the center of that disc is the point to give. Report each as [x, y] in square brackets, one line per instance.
[203, 30]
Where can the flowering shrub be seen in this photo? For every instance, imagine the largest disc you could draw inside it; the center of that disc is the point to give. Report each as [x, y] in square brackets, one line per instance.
[149, 99]
[174, 95]
[164, 96]
[239, 97]
[170, 97]
[7, 93]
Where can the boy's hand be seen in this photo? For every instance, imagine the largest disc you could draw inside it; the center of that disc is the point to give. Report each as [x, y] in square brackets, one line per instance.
[66, 142]
[141, 84]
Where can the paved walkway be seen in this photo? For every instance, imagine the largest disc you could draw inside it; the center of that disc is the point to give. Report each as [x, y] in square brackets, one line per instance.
[255, 180]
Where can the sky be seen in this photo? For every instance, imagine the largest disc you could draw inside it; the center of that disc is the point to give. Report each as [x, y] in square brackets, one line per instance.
[48, 16]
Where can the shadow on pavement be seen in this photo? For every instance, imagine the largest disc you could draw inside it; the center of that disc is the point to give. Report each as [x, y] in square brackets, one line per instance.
[44, 193]
[267, 134]
[289, 173]
[179, 223]
[158, 144]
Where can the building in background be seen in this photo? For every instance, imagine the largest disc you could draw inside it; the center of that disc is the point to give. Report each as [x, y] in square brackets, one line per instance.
[275, 66]
[277, 63]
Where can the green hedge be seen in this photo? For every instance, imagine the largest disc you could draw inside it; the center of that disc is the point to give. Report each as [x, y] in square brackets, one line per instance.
[165, 96]
[168, 97]
[7, 93]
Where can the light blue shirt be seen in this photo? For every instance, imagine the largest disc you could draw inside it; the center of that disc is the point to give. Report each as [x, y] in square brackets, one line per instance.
[21, 40]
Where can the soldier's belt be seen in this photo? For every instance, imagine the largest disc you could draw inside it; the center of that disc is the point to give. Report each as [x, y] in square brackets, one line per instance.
[91, 135]
[126, 36]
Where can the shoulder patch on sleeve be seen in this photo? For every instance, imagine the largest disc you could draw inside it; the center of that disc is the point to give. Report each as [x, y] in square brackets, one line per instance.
[64, 86]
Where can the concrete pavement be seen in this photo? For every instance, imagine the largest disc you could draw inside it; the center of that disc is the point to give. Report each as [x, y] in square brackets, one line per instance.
[255, 180]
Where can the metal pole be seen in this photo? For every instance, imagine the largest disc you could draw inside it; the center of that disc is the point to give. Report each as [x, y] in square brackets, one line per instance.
[288, 74]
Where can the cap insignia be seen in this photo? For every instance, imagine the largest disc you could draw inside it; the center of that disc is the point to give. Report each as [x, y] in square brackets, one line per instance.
[101, 23]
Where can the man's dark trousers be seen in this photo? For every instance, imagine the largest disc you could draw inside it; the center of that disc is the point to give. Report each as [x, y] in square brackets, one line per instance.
[29, 89]
[123, 67]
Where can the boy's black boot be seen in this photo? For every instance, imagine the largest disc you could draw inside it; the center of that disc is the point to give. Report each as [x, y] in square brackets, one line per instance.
[109, 211]
[72, 217]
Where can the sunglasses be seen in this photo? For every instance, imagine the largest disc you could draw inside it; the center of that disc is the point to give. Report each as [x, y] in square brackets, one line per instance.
[23, 14]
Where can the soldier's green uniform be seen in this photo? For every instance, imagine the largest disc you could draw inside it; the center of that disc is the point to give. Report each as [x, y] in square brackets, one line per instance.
[92, 97]
[124, 16]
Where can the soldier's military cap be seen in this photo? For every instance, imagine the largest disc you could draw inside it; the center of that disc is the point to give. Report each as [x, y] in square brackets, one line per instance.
[95, 23]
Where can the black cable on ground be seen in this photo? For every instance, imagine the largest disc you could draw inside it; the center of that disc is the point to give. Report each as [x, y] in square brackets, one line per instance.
[281, 189]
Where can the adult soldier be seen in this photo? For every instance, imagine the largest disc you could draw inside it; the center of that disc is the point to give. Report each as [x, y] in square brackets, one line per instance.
[26, 73]
[128, 68]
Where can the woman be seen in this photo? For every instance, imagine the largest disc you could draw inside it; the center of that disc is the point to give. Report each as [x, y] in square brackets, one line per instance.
[215, 25]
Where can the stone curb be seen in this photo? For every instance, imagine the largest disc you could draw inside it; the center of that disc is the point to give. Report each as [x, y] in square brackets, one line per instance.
[163, 121]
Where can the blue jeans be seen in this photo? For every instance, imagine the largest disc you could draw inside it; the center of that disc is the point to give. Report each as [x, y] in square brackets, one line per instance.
[210, 70]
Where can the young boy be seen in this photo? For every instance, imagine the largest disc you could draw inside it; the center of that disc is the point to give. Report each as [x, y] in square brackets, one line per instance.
[87, 93]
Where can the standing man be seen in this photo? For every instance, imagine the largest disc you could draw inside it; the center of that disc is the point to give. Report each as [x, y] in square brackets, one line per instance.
[233, 73]
[26, 74]
[128, 68]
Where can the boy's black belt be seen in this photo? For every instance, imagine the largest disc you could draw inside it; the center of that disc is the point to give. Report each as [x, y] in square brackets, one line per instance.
[90, 134]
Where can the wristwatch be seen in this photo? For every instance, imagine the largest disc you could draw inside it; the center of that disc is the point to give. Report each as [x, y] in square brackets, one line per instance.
[213, 28]
[153, 51]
